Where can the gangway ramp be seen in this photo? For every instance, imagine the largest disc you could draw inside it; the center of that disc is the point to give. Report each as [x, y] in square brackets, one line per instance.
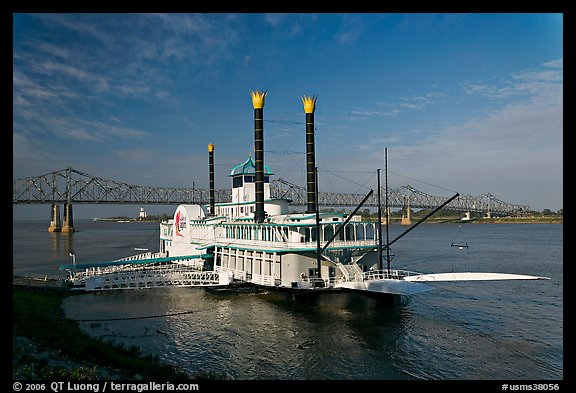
[148, 270]
[172, 276]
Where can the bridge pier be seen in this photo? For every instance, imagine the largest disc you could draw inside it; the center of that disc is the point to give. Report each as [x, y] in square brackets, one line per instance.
[406, 219]
[55, 225]
[68, 226]
[387, 214]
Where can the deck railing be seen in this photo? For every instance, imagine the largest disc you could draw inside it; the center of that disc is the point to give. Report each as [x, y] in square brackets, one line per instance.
[386, 274]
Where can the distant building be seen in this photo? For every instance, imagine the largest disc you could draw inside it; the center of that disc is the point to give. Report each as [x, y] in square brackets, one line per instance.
[142, 215]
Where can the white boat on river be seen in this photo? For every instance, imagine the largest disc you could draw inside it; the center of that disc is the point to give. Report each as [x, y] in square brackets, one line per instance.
[254, 240]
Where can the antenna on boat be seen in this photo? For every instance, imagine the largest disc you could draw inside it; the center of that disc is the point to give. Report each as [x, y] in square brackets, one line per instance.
[380, 215]
[387, 208]
[379, 225]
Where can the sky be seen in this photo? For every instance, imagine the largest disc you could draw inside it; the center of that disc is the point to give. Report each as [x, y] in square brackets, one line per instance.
[468, 103]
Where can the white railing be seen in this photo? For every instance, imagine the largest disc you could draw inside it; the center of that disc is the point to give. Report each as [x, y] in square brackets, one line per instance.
[78, 278]
[281, 245]
[150, 278]
[138, 257]
[386, 274]
[262, 279]
[239, 275]
[235, 274]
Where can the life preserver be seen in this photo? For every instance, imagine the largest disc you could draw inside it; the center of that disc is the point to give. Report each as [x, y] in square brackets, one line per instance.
[302, 276]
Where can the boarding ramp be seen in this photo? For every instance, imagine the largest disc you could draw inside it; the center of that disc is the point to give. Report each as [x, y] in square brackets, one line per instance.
[145, 271]
[168, 276]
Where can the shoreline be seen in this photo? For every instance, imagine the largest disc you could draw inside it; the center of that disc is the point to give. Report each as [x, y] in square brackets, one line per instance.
[56, 347]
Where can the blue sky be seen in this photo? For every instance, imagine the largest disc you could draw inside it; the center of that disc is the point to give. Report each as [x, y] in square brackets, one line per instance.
[468, 103]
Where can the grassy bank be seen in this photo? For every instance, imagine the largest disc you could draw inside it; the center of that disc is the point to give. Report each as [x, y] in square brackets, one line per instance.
[39, 325]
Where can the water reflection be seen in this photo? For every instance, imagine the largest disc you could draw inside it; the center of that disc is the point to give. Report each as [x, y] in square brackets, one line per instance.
[247, 336]
[366, 339]
[61, 244]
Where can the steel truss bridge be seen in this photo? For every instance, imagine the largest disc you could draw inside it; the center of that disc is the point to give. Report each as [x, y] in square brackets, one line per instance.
[72, 186]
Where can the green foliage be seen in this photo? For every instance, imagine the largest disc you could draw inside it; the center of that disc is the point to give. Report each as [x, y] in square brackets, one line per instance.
[34, 370]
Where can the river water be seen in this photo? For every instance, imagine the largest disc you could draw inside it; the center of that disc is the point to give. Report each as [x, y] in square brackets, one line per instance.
[507, 330]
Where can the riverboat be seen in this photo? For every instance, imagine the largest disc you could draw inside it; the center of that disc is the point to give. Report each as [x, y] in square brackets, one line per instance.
[253, 240]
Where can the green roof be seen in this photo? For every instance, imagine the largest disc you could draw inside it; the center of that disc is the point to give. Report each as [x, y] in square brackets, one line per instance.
[248, 167]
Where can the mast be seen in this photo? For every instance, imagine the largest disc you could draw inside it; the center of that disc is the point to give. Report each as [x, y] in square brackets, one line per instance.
[387, 208]
[379, 225]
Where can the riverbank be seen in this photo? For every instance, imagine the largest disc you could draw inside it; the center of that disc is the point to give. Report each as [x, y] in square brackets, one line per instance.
[47, 345]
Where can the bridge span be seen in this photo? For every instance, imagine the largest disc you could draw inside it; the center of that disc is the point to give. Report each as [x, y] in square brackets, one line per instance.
[70, 186]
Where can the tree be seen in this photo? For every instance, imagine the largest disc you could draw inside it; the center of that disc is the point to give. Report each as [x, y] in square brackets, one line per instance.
[366, 213]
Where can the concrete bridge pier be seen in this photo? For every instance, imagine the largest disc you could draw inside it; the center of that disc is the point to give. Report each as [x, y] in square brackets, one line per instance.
[55, 225]
[384, 221]
[68, 226]
[406, 219]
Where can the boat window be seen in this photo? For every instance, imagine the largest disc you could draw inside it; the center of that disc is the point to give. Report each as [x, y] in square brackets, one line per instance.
[328, 232]
[349, 232]
[249, 179]
[237, 182]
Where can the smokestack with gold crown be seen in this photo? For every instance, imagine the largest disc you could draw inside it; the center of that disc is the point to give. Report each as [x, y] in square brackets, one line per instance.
[211, 169]
[258, 103]
[309, 106]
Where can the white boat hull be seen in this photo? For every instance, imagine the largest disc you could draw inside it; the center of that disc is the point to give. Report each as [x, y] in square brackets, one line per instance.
[389, 286]
[470, 276]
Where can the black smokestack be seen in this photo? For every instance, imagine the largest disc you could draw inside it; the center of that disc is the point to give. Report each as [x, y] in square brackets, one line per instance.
[309, 106]
[258, 103]
[211, 169]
